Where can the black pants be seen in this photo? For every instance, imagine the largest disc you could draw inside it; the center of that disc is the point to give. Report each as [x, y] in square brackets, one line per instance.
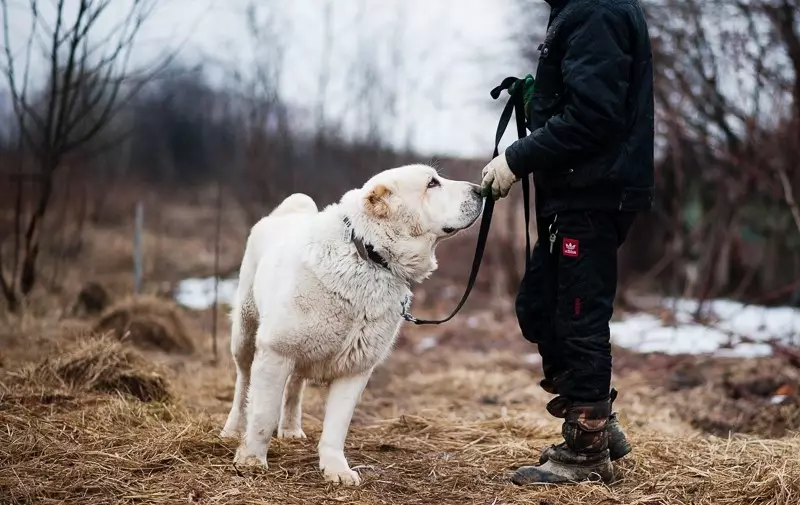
[566, 298]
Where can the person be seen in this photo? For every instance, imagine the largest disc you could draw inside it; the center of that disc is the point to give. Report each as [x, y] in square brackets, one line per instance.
[590, 152]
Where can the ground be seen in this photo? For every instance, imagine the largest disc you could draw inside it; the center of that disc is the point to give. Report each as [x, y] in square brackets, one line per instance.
[88, 419]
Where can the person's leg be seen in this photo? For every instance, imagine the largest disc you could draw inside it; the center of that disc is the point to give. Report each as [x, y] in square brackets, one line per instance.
[618, 444]
[536, 303]
[587, 277]
[587, 244]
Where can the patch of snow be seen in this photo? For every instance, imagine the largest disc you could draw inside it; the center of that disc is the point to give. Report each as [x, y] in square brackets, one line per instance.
[737, 330]
[198, 293]
[425, 344]
[532, 359]
[778, 399]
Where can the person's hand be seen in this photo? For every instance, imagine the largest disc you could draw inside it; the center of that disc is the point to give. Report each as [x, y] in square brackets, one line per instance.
[497, 178]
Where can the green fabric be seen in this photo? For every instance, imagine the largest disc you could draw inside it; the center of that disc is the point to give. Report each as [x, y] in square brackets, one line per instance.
[528, 83]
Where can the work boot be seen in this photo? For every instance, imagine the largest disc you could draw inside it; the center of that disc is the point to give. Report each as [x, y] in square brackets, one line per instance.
[584, 455]
[618, 445]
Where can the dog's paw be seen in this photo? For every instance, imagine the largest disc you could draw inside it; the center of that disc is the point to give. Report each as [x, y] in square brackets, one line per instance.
[342, 476]
[291, 433]
[335, 468]
[245, 457]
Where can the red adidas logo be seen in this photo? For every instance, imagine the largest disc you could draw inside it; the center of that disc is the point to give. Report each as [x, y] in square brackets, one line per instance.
[570, 247]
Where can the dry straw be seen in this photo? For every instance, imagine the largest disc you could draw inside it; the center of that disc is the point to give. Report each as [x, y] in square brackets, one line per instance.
[64, 439]
[148, 322]
[114, 450]
[100, 364]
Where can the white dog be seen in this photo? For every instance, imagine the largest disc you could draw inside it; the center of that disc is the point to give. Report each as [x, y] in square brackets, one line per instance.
[321, 297]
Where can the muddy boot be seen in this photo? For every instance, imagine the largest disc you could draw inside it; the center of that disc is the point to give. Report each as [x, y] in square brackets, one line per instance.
[618, 445]
[584, 455]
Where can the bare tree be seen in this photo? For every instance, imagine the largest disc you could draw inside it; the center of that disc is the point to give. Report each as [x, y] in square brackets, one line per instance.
[88, 80]
[723, 81]
[265, 130]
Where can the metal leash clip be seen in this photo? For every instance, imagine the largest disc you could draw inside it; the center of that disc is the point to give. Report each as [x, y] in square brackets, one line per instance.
[406, 308]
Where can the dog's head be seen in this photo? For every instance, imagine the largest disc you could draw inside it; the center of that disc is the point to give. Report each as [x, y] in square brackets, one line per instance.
[406, 211]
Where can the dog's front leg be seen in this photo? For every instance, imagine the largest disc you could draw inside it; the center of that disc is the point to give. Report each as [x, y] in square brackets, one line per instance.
[267, 380]
[342, 399]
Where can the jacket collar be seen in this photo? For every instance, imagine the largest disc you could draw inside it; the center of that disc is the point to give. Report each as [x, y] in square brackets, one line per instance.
[556, 3]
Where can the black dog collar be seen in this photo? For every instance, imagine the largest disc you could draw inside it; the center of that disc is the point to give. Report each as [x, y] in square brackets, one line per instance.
[365, 250]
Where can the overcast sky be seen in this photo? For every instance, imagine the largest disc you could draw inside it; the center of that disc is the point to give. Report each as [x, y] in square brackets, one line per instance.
[444, 55]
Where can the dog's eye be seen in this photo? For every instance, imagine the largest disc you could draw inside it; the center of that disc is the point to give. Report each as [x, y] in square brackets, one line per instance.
[434, 183]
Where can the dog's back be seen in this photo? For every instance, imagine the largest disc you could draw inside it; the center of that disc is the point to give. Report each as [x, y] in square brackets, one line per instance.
[297, 203]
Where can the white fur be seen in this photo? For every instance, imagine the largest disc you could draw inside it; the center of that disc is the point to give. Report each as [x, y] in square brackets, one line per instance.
[309, 307]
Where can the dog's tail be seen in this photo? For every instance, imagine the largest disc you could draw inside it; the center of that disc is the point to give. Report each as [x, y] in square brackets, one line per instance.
[296, 203]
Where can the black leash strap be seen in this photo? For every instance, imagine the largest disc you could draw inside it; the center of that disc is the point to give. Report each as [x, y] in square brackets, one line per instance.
[516, 105]
[483, 234]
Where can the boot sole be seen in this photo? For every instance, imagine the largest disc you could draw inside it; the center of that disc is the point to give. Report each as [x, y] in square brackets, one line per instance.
[535, 476]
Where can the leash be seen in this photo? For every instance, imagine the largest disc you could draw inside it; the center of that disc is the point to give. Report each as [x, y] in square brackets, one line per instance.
[516, 105]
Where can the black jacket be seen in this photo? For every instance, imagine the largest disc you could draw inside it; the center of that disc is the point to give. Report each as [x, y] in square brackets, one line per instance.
[591, 114]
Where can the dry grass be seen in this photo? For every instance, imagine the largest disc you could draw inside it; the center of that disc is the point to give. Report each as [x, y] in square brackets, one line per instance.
[116, 451]
[723, 395]
[98, 364]
[445, 427]
[148, 322]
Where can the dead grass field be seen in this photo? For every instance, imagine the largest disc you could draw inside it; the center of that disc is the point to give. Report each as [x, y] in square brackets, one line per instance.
[445, 426]
[441, 424]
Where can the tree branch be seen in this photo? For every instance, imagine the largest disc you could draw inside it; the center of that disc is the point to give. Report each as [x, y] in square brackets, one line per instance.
[788, 196]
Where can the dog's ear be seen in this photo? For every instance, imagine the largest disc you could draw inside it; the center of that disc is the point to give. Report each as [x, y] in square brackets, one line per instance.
[375, 203]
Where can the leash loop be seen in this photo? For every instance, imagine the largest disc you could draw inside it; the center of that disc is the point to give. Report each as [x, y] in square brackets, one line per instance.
[514, 105]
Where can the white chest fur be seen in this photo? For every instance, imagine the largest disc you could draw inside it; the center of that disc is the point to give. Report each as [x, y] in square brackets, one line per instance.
[332, 312]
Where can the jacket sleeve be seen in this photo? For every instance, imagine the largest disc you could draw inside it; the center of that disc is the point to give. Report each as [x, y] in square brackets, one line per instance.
[595, 72]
